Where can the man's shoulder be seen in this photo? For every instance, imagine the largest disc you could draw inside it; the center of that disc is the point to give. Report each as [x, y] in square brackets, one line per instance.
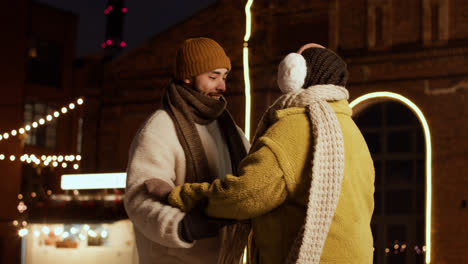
[158, 124]
[158, 118]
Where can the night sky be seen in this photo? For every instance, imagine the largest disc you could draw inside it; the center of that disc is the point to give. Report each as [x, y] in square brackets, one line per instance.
[144, 19]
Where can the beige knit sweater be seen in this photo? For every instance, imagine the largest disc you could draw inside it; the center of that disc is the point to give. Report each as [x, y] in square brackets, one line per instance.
[157, 153]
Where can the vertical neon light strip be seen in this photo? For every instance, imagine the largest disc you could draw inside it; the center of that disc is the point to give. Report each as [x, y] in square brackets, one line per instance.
[427, 137]
[248, 25]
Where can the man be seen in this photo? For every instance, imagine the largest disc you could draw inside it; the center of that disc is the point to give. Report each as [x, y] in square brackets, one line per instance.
[308, 181]
[192, 138]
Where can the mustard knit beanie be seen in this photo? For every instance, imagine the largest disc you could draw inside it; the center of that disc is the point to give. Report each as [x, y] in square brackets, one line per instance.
[199, 55]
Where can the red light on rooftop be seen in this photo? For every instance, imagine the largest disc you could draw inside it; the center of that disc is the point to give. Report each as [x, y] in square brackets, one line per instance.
[109, 42]
[110, 8]
[103, 45]
[123, 44]
[124, 10]
[106, 11]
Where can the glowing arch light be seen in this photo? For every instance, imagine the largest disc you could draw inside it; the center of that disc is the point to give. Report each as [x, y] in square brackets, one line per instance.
[248, 26]
[427, 137]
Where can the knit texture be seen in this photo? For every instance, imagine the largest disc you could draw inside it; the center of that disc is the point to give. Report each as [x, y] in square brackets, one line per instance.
[199, 55]
[324, 67]
[327, 165]
[187, 107]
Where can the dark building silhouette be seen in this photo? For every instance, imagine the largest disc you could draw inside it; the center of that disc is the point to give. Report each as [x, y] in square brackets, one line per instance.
[115, 12]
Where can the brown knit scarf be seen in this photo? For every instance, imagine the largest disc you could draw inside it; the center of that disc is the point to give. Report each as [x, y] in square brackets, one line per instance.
[187, 107]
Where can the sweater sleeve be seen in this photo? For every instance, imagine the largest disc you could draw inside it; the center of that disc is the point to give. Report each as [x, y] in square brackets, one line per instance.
[154, 154]
[259, 188]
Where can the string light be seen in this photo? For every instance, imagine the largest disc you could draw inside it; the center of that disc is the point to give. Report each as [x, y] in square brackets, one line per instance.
[46, 160]
[41, 121]
[23, 232]
[46, 230]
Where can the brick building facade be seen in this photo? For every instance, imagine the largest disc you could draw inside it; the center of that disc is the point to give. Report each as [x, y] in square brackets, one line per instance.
[416, 49]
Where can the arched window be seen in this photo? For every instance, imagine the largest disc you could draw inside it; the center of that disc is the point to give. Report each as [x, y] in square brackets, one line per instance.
[396, 141]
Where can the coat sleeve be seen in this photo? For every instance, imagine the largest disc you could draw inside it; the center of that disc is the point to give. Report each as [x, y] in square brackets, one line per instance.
[154, 154]
[259, 188]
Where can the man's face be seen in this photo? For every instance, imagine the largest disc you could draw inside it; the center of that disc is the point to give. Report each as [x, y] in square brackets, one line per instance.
[212, 84]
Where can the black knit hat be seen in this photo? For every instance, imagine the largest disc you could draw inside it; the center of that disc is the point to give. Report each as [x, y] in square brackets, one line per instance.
[324, 67]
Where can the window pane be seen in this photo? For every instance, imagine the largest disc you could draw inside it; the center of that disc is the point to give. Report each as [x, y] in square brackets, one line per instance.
[370, 117]
[398, 172]
[398, 114]
[420, 202]
[377, 202]
[40, 109]
[378, 172]
[399, 142]
[420, 141]
[399, 202]
[28, 113]
[45, 63]
[421, 172]
[373, 142]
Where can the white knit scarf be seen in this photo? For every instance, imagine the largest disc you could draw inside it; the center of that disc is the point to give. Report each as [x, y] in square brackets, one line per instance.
[327, 165]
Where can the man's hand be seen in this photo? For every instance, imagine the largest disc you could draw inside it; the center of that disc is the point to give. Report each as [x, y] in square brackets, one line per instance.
[158, 189]
[197, 225]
